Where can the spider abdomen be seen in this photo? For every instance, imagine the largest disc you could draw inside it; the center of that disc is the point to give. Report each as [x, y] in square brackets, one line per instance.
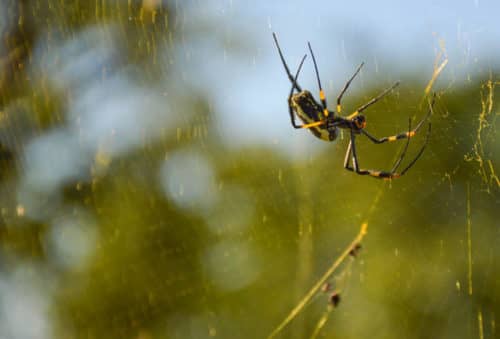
[310, 111]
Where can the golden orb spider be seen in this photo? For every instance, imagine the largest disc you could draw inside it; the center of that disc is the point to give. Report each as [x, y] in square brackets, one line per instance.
[325, 124]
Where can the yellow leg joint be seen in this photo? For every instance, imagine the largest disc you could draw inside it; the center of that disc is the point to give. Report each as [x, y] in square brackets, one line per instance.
[393, 138]
[322, 95]
[325, 112]
[339, 108]
[410, 134]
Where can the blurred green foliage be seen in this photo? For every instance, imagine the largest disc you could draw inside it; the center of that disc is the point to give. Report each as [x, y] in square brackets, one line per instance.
[147, 278]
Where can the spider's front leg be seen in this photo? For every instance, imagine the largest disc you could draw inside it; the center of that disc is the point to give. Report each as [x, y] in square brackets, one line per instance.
[409, 134]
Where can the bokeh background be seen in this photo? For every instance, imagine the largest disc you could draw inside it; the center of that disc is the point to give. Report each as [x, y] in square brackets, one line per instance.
[151, 185]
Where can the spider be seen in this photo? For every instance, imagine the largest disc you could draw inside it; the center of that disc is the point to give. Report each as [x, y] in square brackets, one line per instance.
[325, 124]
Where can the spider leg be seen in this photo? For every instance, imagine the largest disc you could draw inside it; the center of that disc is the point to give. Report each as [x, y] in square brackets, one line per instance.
[346, 86]
[294, 84]
[382, 174]
[347, 157]
[374, 100]
[403, 152]
[287, 70]
[358, 170]
[419, 153]
[408, 134]
[321, 92]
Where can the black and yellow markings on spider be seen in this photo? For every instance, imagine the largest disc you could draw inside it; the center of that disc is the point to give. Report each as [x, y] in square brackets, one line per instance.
[311, 114]
[323, 98]
[409, 134]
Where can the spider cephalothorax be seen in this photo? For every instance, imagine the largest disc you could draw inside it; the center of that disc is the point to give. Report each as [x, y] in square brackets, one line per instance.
[325, 124]
[358, 123]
